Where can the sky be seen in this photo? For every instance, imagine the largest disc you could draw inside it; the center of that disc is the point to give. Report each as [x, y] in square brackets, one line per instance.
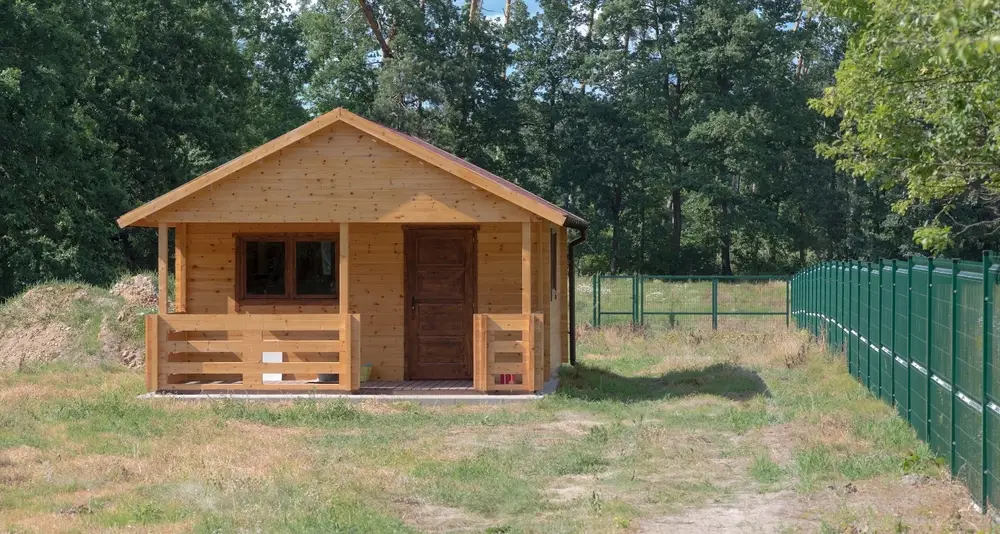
[490, 7]
[495, 7]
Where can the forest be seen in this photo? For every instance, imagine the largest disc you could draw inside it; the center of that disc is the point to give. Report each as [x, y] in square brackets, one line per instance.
[697, 136]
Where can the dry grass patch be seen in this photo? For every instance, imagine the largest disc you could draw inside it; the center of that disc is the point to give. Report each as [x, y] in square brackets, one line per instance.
[663, 432]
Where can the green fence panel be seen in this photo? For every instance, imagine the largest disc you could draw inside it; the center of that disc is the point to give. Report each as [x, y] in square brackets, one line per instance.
[671, 300]
[919, 334]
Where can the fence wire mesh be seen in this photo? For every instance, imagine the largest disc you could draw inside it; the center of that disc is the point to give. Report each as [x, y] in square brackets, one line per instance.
[919, 334]
[682, 301]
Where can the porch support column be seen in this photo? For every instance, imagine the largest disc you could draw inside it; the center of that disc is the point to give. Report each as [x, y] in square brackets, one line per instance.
[163, 255]
[526, 268]
[180, 268]
[350, 359]
[528, 334]
[344, 243]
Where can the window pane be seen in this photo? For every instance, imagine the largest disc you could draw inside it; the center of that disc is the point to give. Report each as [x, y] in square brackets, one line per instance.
[314, 268]
[265, 267]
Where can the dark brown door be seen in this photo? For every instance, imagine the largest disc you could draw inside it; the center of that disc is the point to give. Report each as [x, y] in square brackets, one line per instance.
[440, 300]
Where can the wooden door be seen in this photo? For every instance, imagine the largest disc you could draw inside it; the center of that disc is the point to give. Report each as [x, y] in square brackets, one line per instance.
[440, 300]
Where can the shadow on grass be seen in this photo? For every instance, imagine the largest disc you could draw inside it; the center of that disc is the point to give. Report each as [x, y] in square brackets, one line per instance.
[722, 379]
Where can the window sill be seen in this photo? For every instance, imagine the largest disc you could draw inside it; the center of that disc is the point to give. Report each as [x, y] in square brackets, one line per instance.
[288, 302]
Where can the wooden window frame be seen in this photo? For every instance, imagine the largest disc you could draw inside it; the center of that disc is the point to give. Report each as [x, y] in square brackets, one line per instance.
[289, 297]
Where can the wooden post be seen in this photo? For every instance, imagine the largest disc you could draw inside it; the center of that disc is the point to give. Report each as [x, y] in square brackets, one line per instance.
[352, 329]
[526, 268]
[538, 321]
[528, 335]
[344, 242]
[479, 352]
[162, 257]
[180, 268]
[152, 351]
[350, 379]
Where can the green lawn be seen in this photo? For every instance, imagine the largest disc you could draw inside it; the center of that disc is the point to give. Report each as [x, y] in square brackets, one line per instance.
[743, 430]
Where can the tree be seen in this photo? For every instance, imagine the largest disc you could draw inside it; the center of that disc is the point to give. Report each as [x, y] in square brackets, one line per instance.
[918, 95]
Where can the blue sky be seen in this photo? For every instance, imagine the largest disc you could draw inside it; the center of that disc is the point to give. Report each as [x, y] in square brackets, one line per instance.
[495, 7]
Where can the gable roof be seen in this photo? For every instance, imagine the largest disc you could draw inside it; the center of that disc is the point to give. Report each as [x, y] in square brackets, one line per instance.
[415, 147]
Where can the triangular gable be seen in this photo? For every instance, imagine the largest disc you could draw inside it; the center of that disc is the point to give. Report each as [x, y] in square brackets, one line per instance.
[411, 145]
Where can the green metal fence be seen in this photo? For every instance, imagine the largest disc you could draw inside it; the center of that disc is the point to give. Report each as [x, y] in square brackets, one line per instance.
[919, 334]
[680, 300]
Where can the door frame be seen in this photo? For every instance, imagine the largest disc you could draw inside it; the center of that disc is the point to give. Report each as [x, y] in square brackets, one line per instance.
[471, 281]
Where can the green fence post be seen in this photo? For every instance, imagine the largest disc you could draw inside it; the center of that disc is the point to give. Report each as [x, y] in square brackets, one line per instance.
[840, 305]
[857, 328]
[930, 338]
[892, 339]
[909, 340]
[814, 306]
[642, 299]
[825, 306]
[635, 299]
[987, 378]
[868, 327]
[850, 308]
[824, 332]
[715, 303]
[597, 299]
[878, 342]
[954, 360]
[788, 302]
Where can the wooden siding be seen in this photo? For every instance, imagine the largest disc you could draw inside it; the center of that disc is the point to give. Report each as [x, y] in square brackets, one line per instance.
[499, 268]
[342, 174]
[376, 282]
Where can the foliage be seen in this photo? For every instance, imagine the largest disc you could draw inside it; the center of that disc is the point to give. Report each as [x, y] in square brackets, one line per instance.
[918, 94]
[682, 130]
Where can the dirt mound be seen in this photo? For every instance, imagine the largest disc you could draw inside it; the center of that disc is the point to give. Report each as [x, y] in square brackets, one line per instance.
[32, 344]
[138, 290]
[76, 323]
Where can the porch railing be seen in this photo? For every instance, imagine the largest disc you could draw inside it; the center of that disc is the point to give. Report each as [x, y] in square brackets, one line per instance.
[507, 352]
[192, 352]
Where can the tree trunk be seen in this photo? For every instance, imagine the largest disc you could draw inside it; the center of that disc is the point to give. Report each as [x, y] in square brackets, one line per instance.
[677, 223]
[616, 216]
[727, 242]
[366, 8]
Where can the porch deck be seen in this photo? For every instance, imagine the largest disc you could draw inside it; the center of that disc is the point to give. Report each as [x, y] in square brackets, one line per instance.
[417, 387]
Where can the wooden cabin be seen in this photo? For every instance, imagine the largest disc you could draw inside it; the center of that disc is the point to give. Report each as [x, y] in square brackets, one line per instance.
[347, 256]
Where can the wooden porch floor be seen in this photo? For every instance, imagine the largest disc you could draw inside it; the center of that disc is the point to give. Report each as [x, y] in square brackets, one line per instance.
[417, 387]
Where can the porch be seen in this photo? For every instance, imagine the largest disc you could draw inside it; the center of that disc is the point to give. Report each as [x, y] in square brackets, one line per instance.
[321, 353]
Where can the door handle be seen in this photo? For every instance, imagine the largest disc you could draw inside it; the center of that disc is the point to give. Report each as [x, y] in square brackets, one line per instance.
[413, 304]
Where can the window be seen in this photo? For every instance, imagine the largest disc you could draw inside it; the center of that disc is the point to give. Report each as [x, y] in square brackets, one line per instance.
[292, 267]
[553, 272]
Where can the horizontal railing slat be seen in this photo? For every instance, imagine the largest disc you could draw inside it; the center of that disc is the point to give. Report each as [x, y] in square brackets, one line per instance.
[256, 368]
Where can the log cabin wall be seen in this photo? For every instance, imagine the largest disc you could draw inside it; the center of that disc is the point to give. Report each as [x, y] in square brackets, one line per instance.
[376, 280]
[344, 175]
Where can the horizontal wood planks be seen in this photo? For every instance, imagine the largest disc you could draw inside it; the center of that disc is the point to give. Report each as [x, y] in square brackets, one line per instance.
[235, 361]
[499, 265]
[516, 361]
[342, 174]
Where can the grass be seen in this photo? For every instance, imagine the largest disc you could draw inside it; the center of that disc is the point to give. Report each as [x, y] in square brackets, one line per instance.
[651, 430]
